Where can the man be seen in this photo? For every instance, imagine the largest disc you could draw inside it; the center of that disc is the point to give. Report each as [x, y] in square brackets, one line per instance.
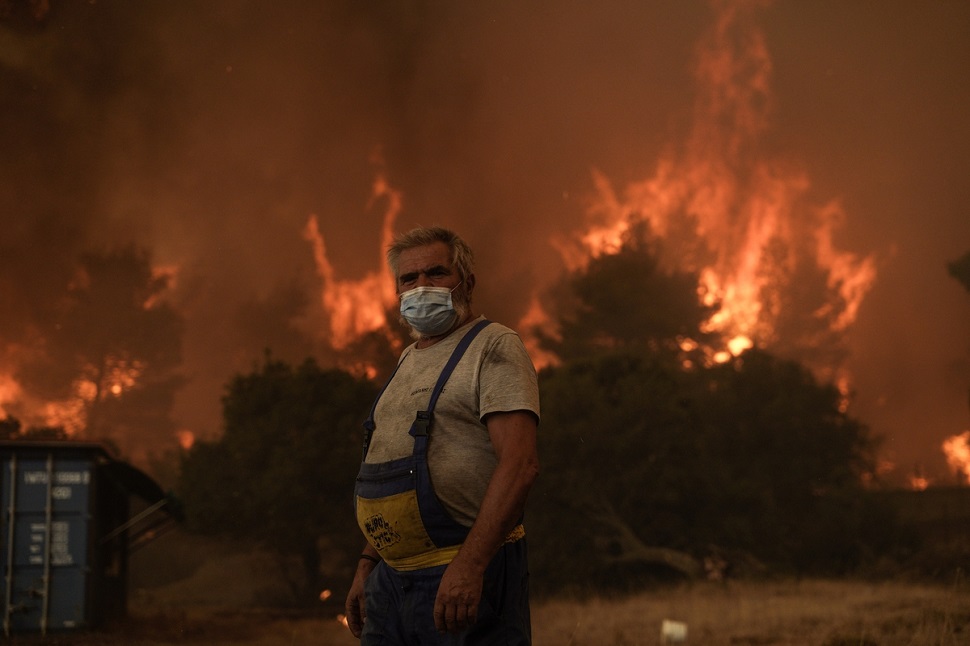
[446, 563]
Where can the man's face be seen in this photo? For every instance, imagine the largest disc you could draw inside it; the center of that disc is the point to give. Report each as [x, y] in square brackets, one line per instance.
[427, 266]
[430, 266]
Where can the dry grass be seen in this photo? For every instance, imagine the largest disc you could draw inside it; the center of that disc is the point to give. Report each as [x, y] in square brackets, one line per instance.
[816, 612]
[804, 613]
[221, 597]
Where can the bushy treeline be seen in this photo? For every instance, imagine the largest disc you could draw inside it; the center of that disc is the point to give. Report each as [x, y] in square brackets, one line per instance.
[282, 474]
[659, 460]
[655, 460]
[744, 467]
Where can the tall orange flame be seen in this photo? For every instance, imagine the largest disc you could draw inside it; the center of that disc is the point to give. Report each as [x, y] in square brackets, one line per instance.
[724, 211]
[356, 307]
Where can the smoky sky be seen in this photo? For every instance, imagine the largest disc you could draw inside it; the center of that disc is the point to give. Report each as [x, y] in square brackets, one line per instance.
[210, 132]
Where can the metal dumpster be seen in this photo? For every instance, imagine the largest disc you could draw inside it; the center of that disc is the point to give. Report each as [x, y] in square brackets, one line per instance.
[64, 536]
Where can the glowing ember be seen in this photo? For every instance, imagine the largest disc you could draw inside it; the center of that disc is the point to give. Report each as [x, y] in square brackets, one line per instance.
[121, 375]
[186, 439]
[86, 389]
[957, 452]
[919, 483]
[325, 594]
[739, 344]
[687, 344]
[722, 357]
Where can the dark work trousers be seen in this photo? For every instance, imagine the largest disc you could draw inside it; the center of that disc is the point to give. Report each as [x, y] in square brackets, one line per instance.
[400, 605]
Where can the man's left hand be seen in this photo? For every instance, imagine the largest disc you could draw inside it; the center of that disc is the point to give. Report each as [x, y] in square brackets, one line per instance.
[456, 606]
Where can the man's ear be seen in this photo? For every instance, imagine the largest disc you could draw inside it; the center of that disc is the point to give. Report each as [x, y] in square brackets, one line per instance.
[470, 285]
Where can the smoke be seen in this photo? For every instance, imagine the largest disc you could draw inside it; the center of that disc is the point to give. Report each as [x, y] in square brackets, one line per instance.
[210, 132]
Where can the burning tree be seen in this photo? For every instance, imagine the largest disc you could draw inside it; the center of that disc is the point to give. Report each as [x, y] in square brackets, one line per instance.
[105, 360]
[666, 453]
[625, 301]
[695, 399]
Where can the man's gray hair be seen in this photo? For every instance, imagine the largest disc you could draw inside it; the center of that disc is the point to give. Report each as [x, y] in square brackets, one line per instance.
[462, 258]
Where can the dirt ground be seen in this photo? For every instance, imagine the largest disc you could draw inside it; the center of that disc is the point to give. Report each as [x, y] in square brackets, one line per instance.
[792, 613]
[187, 591]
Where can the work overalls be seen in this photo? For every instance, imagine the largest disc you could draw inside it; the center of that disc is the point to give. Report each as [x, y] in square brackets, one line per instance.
[397, 508]
[417, 538]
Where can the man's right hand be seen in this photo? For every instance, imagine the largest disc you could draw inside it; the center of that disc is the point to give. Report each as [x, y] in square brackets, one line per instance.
[354, 606]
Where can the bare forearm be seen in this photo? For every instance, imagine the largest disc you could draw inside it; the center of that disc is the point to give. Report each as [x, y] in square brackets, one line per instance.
[508, 488]
[355, 604]
[513, 436]
[501, 510]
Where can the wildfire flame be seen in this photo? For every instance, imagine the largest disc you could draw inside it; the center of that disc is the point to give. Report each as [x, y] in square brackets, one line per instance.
[9, 392]
[351, 305]
[919, 483]
[725, 212]
[536, 317]
[357, 307]
[100, 379]
[957, 451]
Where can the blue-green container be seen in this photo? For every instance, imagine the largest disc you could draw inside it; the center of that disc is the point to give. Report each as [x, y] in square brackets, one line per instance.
[64, 565]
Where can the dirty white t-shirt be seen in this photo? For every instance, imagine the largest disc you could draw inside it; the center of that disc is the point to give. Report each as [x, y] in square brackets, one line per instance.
[495, 375]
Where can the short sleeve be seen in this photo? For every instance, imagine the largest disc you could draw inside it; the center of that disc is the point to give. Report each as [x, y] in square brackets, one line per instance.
[508, 380]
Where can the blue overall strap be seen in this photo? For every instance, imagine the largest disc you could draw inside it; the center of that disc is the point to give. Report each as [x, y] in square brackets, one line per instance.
[422, 421]
[369, 425]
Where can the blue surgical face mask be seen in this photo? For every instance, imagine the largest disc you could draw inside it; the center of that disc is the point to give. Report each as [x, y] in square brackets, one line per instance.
[429, 310]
